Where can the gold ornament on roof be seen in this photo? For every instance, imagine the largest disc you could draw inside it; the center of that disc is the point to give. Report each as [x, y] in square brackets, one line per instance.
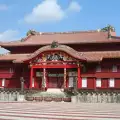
[54, 44]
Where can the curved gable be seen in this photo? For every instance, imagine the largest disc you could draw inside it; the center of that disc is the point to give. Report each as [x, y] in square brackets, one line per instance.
[63, 48]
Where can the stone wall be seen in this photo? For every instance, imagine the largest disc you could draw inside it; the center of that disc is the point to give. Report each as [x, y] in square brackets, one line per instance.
[96, 97]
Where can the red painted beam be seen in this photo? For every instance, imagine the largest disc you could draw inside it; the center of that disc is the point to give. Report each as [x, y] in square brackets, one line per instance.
[54, 66]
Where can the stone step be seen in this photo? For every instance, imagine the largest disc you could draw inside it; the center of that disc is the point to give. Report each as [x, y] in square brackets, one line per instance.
[50, 92]
[55, 90]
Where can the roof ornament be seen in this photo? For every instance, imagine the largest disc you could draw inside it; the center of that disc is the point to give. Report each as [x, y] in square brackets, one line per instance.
[31, 32]
[108, 29]
[22, 39]
[54, 44]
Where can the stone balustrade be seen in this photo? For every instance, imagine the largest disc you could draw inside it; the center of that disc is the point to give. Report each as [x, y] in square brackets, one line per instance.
[9, 95]
[96, 97]
[81, 97]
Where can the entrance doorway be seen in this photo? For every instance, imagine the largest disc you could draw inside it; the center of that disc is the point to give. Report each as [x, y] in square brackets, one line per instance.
[55, 78]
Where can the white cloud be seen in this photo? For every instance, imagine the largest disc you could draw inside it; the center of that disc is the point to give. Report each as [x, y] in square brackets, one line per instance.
[3, 51]
[46, 11]
[74, 6]
[9, 35]
[49, 11]
[3, 7]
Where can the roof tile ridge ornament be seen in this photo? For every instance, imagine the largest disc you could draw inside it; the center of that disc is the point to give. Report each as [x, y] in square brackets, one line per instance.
[109, 33]
[108, 29]
[29, 34]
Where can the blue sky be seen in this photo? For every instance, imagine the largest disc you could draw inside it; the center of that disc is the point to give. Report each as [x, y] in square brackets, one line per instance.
[18, 16]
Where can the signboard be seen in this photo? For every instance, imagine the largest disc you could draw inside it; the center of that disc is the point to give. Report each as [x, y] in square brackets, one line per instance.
[55, 75]
[39, 74]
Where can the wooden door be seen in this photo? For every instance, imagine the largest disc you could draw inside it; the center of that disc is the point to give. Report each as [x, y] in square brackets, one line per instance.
[38, 82]
[52, 82]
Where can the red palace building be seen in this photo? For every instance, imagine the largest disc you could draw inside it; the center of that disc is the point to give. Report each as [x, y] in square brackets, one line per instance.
[83, 59]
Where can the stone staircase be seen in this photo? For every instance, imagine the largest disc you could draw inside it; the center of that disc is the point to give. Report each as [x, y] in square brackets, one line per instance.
[49, 93]
[55, 90]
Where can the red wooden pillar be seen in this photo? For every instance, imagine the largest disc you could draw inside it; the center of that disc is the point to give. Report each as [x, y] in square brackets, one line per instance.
[34, 82]
[46, 79]
[65, 77]
[67, 82]
[31, 77]
[79, 82]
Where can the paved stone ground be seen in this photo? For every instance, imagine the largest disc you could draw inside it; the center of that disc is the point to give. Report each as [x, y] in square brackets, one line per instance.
[59, 111]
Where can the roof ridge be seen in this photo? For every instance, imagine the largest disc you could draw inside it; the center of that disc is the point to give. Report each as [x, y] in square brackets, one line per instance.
[69, 32]
[51, 33]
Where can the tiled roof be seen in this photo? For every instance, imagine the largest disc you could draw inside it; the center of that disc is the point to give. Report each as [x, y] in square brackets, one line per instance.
[8, 57]
[90, 56]
[100, 55]
[64, 38]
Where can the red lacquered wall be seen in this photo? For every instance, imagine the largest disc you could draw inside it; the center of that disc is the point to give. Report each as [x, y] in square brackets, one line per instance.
[12, 83]
[117, 83]
[104, 83]
[90, 83]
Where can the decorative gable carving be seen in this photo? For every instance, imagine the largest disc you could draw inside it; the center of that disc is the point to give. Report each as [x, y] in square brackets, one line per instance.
[52, 56]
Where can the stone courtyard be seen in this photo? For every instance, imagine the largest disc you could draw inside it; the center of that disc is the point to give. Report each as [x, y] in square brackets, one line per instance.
[59, 111]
